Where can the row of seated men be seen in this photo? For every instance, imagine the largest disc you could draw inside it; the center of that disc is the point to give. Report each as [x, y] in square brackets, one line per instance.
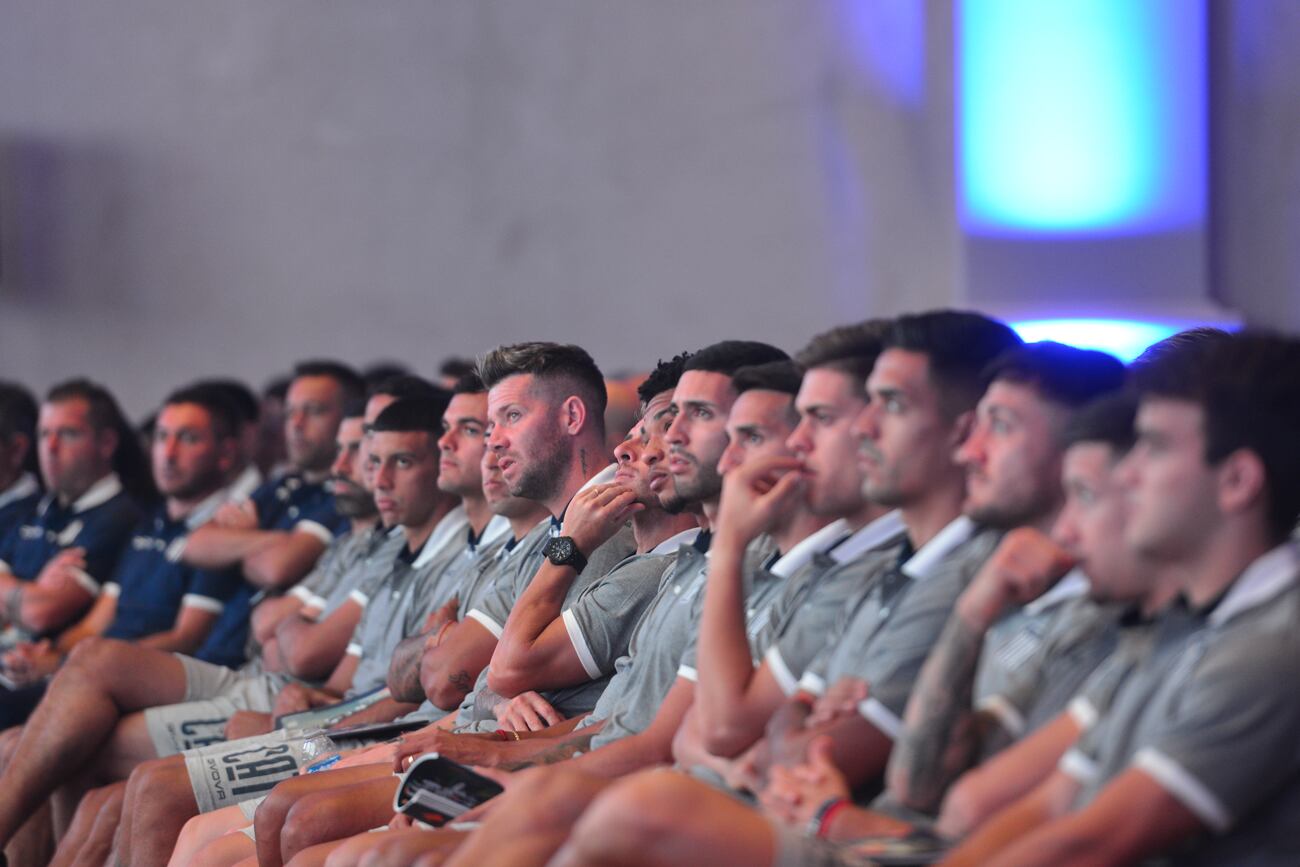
[921, 585]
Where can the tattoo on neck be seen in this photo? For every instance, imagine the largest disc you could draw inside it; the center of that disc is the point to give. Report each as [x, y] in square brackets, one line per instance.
[582, 457]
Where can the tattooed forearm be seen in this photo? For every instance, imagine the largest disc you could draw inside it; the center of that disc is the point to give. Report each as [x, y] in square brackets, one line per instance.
[941, 734]
[570, 746]
[404, 670]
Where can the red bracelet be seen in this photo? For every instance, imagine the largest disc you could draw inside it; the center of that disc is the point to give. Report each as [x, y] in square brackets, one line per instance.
[828, 815]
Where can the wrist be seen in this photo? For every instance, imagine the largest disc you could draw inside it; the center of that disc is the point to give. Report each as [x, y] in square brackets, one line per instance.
[820, 824]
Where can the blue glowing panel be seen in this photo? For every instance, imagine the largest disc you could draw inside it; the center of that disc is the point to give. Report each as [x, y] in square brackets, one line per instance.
[1082, 116]
[1123, 338]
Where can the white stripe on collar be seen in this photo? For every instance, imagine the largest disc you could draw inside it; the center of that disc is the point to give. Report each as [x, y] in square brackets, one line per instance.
[24, 487]
[1263, 579]
[245, 483]
[452, 523]
[810, 545]
[921, 564]
[1073, 585]
[98, 494]
[671, 544]
[495, 529]
[203, 512]
[604, 477]
[872, 535]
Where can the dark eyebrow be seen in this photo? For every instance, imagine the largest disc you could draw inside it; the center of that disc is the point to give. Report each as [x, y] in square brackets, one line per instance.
[701, 404]
[749, 429]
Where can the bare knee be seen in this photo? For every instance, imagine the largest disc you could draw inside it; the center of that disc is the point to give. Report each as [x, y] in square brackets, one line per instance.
[636, 814]
[161, 786]
[312, 819]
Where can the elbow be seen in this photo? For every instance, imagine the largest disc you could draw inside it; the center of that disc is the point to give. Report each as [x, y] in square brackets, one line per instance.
[508, 681]
[307, 664]
[271, 576]
[727, 741]
[445, 695]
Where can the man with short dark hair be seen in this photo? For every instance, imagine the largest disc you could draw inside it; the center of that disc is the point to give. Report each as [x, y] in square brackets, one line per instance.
[20, 490]
[52, 566]
[292, 514]
[1192, 754]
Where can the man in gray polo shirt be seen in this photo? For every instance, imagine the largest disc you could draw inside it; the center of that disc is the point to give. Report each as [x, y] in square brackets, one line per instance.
[1194, 754]
[922, 391]
[402, 452]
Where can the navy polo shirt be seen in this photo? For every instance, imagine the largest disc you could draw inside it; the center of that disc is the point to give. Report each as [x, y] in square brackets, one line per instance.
[99, 521]
[18, 503]
[292, 503]
[152, 587]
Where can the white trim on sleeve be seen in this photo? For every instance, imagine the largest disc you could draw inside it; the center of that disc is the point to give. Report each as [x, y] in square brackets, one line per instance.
[315, 528]
[203, 603]
[112, 590]
[302, 594]
[5, 567]
[687, 673]
[82, 577]
[1082, 712]
[354, 649]
[360, 598]
[784, 676]
[580, 645]
[1078, 767]
[1007, 715]
[812, 683]
[874, 712]
[1190, 792]
[487, 623]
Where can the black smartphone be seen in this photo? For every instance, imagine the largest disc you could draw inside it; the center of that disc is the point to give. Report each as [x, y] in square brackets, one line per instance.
[435, 790]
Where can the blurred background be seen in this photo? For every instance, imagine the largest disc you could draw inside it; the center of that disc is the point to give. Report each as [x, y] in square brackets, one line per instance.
[195, 188]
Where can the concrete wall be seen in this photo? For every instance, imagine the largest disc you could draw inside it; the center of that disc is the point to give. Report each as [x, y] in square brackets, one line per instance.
[192, 187]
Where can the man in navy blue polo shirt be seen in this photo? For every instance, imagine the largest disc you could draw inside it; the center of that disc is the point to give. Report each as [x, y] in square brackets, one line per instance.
[19, 490]
[52, 566]
[277, 534]
[152, 597]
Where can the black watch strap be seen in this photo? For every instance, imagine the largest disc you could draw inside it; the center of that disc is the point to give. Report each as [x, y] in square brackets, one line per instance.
[562, 551]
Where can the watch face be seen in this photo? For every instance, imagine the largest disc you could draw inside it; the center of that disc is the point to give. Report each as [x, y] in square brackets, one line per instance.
[560, 550]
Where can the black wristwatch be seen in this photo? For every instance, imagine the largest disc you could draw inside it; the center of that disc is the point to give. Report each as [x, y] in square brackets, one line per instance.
[563, 552]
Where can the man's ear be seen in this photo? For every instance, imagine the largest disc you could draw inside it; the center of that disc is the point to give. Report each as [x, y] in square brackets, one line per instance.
[20, 445]
[227, 454]
[961, 428]
[1242, 481]
[106, 440]
[573, 415]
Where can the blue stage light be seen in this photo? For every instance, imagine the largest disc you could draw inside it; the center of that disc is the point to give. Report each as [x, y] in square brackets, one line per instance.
[1082, 116]
[1123, 338]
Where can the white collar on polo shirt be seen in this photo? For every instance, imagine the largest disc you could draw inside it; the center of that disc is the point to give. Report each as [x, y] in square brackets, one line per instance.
[1263, 579]
[922, 564]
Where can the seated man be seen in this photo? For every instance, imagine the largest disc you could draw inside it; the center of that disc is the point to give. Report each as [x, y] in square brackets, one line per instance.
[151, 598]
[52, 565]
[293, 515]
[1192, 754]
[20, 490]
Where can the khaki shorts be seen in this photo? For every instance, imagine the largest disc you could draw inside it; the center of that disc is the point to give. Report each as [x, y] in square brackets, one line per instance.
[213, 693]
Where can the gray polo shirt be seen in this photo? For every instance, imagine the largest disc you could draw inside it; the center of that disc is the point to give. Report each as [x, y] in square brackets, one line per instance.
[1077, 643]
[893, 626]
[816, 599]
[455, 560]
[1018, 635]
[643, 676]
[767, 582]
[396, 607]
[1214, 719]
[601, 620]
[495, 607]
